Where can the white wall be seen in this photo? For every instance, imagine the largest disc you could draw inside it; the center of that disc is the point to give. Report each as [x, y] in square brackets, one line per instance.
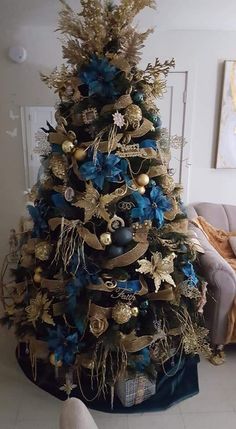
[195, 33]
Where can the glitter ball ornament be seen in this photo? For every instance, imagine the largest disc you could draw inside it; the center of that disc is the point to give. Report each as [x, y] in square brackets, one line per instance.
[142, 179]
[105, 239]
[80, 154]
[54, 362]
[133, 114]
[134, 311]
[58, 165]
[68, 146]
[43, 250]
[121, 313]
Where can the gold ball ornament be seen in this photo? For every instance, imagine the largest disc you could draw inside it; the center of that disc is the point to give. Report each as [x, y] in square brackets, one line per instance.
[105, 239]
[121, 313]
[134, 311]
[80, 154]
[38, 270]
[68, 146]
[133, 114]
[37, 278]
[54, 362]
[58, 165]
[43, 250]
[141, 190]
[142, 180]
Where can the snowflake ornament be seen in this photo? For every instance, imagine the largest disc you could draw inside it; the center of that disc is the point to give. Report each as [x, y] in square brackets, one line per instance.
[118, 119]
[43, 146]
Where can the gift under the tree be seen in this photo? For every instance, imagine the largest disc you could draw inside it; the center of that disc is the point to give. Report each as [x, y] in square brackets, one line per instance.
[135, 390]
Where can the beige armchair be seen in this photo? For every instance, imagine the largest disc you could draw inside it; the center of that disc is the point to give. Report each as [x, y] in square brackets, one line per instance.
[218, 273]
[75, 415]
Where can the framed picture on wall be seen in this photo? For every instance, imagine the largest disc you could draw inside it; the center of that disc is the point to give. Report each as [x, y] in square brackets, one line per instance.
[226, 154]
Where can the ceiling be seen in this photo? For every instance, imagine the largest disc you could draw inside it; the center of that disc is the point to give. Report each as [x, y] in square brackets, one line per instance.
[172, 14]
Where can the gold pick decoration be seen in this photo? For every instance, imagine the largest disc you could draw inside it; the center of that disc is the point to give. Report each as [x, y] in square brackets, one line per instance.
[38, 309]
[94, 204]
[158, 268]
[59, 166]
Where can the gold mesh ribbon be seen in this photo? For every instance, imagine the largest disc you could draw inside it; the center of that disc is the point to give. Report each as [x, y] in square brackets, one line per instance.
[54, 285]
[98, 310]
[127, 258]
[162, 295]
[133, 344]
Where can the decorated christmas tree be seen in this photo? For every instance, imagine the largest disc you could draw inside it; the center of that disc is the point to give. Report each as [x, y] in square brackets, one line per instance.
[106, 301]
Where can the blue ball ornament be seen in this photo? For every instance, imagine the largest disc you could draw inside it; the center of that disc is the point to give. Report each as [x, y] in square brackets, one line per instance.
[114, 251]
[137, 97]
[122, 236]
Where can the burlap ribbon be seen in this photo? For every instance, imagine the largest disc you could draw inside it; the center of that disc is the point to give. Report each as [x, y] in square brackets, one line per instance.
[53, 285]
[162, 295]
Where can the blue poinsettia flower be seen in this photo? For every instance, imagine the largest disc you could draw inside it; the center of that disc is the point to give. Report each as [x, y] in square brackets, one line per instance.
[38, 214]
[63, 346]
[189, 272]
[152, 207]
[99, 75]
[105, 167]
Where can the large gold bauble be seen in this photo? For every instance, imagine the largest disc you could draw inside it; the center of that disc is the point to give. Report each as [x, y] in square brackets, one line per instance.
[121, 313]
[67, 146]
[80, 154]
[58, 165]
[43, 250]
[133, 114]
[134, 311]
[142, 179]
[54, 362]
[105, 239]
[37, 278]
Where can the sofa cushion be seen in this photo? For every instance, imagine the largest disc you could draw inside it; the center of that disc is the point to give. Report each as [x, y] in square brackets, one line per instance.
[215, 214]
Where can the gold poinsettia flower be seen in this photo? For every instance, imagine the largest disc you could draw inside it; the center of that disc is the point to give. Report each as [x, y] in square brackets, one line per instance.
[158, 268]
[38, 309]
[94, 204]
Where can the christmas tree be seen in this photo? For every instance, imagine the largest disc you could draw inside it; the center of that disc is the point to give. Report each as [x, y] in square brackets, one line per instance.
[105, 289]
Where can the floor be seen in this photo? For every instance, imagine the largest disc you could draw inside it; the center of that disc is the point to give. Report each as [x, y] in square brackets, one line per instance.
[24, 406]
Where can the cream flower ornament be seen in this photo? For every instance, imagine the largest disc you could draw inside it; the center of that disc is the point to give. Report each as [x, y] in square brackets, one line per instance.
[158, 268]
[118, 119]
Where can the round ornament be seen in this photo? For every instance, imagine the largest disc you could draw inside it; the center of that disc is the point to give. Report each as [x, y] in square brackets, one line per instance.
[38, 270]
[138, 97]
[105, 239]
[134, 311]
[115, 222]
[43, 250]
[141, 190]
[58, 166]
[115, 251]
[37, 278]
[142, 180]
[68, 146]
[69, 194]
[54, 362]
[122, 236]
[80, 154]
[133, 114]
[121, 313]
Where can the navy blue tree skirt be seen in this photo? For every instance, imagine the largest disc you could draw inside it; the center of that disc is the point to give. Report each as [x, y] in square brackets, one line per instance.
[177, 383]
